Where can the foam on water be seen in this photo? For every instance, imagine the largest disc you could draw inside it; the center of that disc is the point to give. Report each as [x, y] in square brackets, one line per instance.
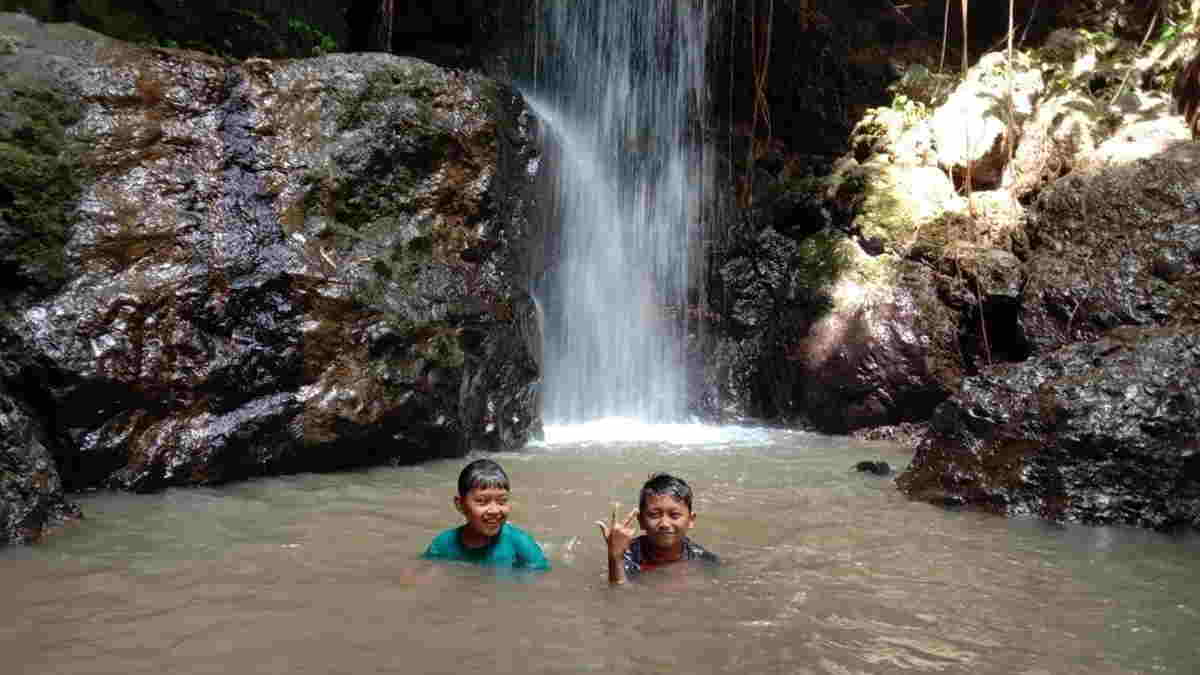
[630, 430]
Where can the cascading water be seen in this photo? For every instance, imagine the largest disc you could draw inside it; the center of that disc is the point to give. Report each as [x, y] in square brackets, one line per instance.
[619, 87]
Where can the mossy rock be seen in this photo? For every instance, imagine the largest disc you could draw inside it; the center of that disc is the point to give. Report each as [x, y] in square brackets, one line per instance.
[9, 43]
[898, 201]
[39, 183]
[424, 344]
[418, 82]
[820, 261]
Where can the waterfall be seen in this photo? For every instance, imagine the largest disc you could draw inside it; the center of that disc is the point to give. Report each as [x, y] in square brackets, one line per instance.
[619, 87]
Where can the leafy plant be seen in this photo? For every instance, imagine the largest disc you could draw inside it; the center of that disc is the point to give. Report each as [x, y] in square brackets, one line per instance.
[1098, 39]
[1178, 19]
[913, 111]
[322, 42]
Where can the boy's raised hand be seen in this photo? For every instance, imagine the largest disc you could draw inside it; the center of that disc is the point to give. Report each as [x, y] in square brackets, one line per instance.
[618, 535]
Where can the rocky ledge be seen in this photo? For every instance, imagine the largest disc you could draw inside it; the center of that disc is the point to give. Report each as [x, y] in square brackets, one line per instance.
[1099, 432]
[1023, 276]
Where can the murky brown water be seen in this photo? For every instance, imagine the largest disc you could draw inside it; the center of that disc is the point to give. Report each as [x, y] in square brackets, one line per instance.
[827, 571]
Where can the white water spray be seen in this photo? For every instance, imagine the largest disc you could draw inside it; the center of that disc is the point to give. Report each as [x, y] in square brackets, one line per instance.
[619, 86]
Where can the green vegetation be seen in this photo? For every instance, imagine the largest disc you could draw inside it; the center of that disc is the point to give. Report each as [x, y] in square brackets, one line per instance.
[39, 186]
[912, 111]
[356, 204]
[1178, 19]
[1101, 41]
[418, 83]
[8, 44]
[314, 40]
[821, 259]
[921, 89]
[358, 214]
[226, 32]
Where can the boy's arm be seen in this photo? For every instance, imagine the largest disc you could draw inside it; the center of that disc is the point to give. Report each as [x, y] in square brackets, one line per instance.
[616, 569]
[618, 537]
[432, 552]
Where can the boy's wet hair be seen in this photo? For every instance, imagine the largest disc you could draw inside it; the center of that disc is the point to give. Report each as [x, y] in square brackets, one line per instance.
[665, 484]
[482, 473]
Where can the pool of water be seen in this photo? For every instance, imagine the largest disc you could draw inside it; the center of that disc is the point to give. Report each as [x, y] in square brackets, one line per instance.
[825, 571]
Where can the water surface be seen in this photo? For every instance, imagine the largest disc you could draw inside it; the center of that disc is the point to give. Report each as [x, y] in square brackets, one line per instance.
[827, 571]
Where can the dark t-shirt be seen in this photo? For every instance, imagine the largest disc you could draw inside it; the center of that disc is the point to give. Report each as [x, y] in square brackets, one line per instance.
[635, 555]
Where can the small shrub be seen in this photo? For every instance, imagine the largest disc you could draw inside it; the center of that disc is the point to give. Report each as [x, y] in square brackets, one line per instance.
[317, 41]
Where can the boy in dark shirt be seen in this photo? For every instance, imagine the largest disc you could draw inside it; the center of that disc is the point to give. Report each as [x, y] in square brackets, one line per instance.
[487, 537]
[665, 513]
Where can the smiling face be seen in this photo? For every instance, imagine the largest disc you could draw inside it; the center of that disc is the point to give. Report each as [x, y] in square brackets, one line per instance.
[666, 521]
[485, 509]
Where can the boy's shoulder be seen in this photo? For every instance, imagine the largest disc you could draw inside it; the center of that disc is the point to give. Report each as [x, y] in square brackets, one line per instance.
[527, 551]
[694, 551]
[635, 554]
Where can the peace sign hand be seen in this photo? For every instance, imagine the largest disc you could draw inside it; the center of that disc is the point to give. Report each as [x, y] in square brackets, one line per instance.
[619, 535]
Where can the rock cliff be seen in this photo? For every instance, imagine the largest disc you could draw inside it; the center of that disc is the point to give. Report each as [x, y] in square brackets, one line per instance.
[215, 270]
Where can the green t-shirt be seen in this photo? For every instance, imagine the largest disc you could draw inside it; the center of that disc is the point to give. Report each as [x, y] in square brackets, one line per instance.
[513, 547]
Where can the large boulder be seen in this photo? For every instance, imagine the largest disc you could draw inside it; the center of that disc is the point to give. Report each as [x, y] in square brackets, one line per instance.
[886, 350]
[820, 332]
[976, 129]
[268, 266]
[1098, 432]
[1063, 128]
[768, 288]
[898, 203]
[1115, 242]
[1100, 424]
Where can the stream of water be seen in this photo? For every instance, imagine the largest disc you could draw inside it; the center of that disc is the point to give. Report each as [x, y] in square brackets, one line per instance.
[825, 571]
[619, 89]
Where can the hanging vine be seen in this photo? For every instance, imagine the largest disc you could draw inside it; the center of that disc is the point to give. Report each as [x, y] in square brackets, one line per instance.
[760, 54]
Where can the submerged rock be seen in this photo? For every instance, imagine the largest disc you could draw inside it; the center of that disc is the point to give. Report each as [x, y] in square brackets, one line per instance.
[271, 266]
[876, 467]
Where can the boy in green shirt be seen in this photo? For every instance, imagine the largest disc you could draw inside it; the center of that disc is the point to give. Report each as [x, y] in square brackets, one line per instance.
[487, 537]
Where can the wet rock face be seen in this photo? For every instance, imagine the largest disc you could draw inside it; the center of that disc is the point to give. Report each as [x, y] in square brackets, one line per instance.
[1099, 432]
[1117, 245]
[767, 286]
[31, 494]
[279, 266]
[817, 332]
[884, 354]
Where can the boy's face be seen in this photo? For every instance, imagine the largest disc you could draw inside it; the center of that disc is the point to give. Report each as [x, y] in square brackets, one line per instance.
[486, 509]
[666, 520]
